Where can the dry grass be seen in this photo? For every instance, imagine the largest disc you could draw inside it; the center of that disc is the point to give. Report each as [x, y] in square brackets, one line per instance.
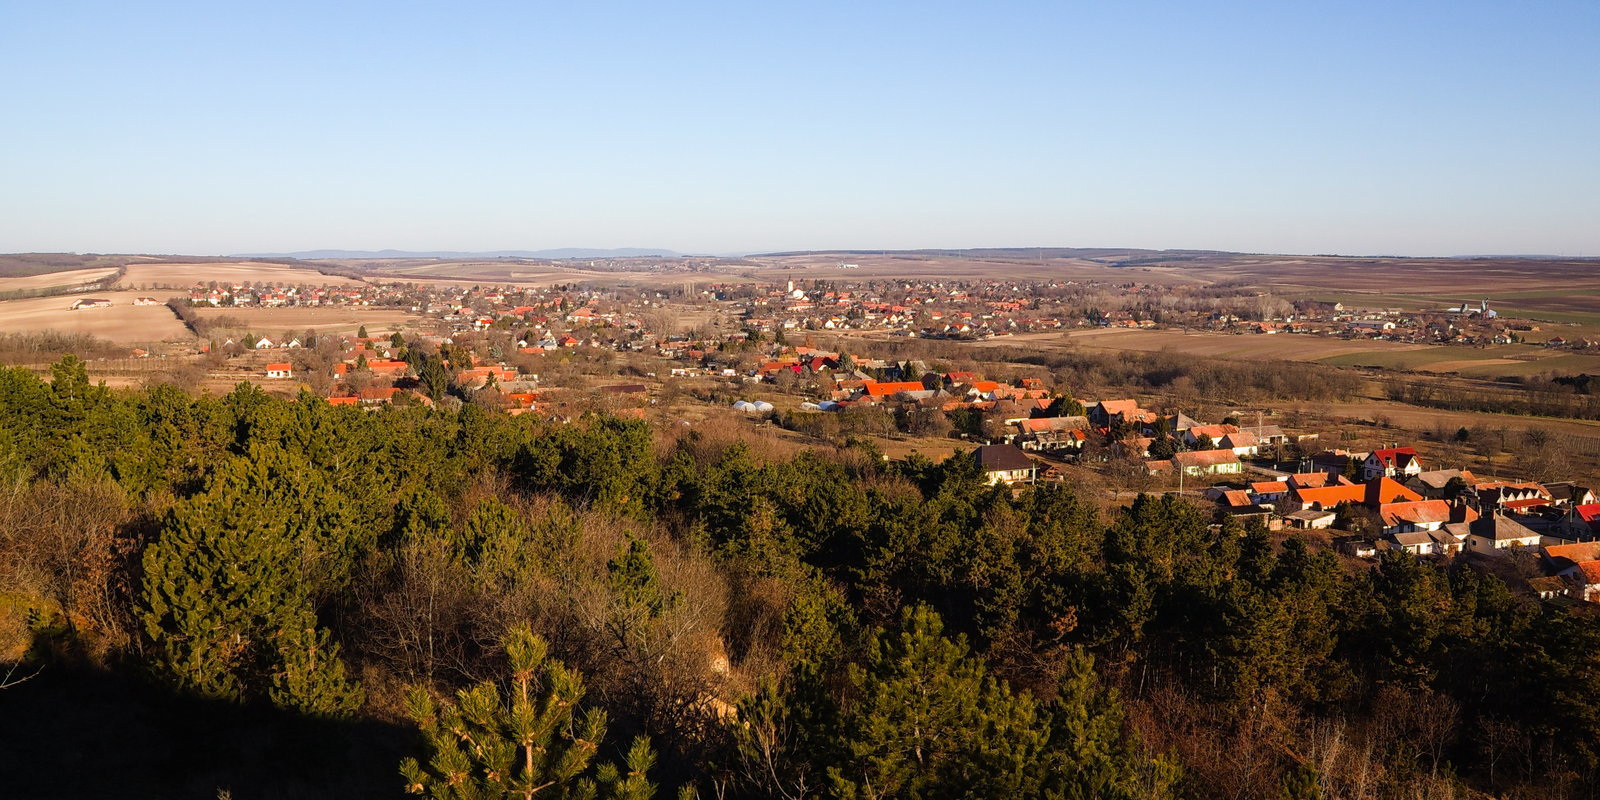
[335, 319]
[75, 277]
[830, 266]
[123, 323]
[178, 276]
[1254, 347]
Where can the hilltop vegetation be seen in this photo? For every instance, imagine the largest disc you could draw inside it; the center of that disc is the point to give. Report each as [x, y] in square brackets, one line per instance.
[826, 624]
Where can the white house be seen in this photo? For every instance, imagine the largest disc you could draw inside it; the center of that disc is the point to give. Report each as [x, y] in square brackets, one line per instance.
[1495, 532]
[1002, 463]
[1399, 463]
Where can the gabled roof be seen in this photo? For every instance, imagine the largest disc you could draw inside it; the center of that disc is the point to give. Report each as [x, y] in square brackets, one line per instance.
[1565, 490]
[1437, 478]
[1316, 480]
[1591, 572]
[1039, 424]
[1394, 457]
[1180, 422]
[1383, 490]
[1110, 407]
[891, 388]
[1330, 496]
[1238, 439]
[1237, 498]
[1001, 458]
[1214, 431]
[1422, 512]
[1565, 556]
[1411, 538]
[1501, 528]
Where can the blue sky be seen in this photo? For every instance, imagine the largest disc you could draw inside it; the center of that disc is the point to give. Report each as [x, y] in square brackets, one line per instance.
[1355, 127]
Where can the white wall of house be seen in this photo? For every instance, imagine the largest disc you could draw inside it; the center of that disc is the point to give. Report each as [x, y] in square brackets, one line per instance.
[1483, 544]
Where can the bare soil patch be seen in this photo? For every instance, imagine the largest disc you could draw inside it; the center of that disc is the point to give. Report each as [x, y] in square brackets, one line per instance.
[74, 277]
[272, 322]
[183, 275]
[123, 322]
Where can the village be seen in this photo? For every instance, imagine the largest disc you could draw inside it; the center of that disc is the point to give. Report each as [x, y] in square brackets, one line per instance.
[489, 345]
[938, 309]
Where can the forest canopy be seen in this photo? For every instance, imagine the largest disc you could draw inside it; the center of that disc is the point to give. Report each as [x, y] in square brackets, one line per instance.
[625, 611]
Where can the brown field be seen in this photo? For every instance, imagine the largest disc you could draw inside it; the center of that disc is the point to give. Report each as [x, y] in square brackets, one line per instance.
[891, 265]
[1281, 347]
[183, 275]
[123, 323]
[272, 322]
[75, 277]
[500, 272]
[1561, 290]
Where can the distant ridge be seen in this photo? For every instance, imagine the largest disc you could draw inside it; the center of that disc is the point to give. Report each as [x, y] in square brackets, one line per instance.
[1017, 252]
[558, 253]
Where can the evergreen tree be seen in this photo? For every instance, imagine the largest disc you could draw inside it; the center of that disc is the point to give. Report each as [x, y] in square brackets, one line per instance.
[229, 587]
[1090, 753]
[309, 677]
[526, 742]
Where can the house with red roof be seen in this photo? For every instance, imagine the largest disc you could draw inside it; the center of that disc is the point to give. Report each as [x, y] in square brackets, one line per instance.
[881, 389]
[1391, 462]
[1373, 494]
[280, 370]
[389, 369]
[1106, 412]
[1191, 437]
[1422, 515]
[1587, 514]
[1317, 480]
[1241, 443]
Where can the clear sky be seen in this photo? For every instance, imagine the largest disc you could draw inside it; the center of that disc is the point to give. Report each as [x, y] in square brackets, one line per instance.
[1415, 128]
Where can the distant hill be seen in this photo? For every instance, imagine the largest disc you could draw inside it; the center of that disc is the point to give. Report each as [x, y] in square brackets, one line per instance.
[558, 253]
[1091, 253]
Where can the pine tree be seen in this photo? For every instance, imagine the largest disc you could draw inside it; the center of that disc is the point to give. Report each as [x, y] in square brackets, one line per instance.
[928, 721]
[229, 587]
[309, 677]
[1090, 753]
[528, 742]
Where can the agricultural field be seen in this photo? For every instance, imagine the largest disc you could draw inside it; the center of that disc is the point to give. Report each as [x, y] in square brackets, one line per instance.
[1284, 347]
[502, 272]
[179, 275]
[52, 280]
[273, 322]
[855, 266]
[1487, 362]
[123, 323]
